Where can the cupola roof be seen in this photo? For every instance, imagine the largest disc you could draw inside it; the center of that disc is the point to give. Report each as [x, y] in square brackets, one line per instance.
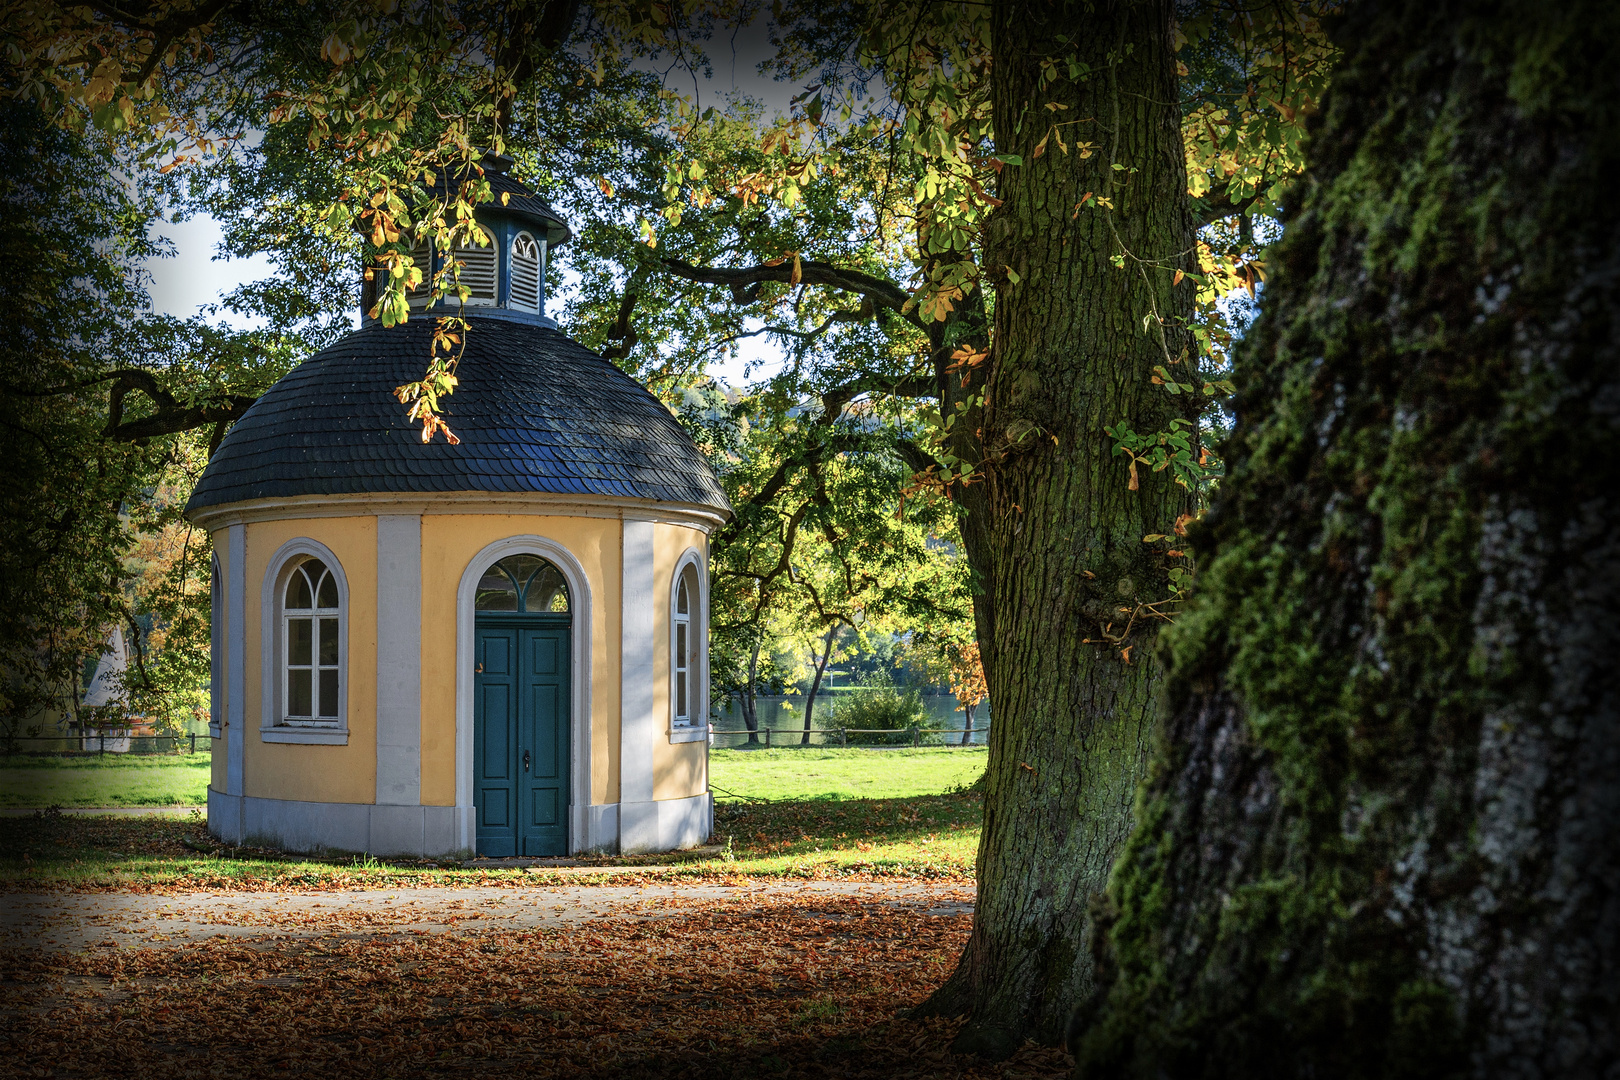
[522, 204]
[535, 412]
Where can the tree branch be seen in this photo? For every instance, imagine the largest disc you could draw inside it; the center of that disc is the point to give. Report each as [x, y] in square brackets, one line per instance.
[881, 292]
[171, 416]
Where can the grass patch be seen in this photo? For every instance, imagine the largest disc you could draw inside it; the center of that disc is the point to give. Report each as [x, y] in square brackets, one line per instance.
[832, 813]
[105, 780]
[817, 772]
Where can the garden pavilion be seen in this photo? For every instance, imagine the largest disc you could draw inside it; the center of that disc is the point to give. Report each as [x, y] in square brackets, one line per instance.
[496, 647]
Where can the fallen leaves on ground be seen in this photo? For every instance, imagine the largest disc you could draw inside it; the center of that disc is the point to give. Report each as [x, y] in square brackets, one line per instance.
[799, 987]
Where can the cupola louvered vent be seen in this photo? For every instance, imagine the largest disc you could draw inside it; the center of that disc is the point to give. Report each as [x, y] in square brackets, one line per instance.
[496, 264]
[477, 272]
[525, 273]
[422, 256]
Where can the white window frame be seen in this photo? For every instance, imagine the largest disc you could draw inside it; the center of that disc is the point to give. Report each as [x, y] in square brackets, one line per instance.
[696, 727]
[511, 272]
[315, 614]
[274, 726]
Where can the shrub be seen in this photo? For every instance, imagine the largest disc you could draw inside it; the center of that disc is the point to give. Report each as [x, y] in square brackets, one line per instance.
[880, 705]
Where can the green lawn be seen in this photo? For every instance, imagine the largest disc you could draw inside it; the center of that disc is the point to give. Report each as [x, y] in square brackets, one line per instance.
[105, 780]
[830, 813]
[816, 772]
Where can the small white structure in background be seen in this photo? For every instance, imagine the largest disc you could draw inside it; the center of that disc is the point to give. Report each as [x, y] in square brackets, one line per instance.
[106, 691]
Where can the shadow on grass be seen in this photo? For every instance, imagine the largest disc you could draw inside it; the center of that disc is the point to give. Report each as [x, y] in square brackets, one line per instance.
[929, 836]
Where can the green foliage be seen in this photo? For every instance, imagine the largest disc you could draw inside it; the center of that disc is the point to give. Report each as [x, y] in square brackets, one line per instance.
[881, 705]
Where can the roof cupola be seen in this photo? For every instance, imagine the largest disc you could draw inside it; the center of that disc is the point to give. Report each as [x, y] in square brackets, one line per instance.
[506, 277]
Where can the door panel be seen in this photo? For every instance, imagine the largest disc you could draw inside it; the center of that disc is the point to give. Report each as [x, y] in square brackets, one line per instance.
[545, 685]
[521, 738]
[496, 734]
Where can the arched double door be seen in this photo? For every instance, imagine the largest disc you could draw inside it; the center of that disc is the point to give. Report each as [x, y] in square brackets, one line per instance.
[521, 709]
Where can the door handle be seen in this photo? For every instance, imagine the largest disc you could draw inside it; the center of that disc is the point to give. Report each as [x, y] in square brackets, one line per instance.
[525, 761]
[479, 670]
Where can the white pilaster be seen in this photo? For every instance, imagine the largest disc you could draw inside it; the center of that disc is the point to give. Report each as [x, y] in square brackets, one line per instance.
[639, 726]
[399, 660]
[236, 657]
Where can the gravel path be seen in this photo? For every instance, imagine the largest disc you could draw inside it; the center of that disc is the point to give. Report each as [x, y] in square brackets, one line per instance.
[56, 922]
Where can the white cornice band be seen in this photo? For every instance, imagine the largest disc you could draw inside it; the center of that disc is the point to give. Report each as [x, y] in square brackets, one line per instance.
[366, 504]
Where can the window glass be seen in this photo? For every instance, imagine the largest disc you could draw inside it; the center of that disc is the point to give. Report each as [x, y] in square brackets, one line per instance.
[298, 641]
[298, 594]
[546, 591]
[522, 583]
[496, 591]
[684, 656]
[313, 657]
[327, 593]
[298, 696]
[329, 693]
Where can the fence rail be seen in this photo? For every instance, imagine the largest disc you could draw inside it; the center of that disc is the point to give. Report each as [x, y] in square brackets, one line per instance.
[865, 738]
[97, 743]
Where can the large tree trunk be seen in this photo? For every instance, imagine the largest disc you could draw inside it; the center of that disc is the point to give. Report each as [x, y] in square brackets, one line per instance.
[1381, 838]
[1055, 531]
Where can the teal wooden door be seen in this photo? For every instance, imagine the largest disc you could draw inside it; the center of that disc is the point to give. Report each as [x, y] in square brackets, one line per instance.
[521, 733]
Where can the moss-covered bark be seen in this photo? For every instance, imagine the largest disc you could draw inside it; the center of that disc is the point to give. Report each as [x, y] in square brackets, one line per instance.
[1379, 838]
[1055, 531]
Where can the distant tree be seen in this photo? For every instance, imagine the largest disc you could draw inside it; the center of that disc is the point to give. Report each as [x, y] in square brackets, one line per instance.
[84, 409]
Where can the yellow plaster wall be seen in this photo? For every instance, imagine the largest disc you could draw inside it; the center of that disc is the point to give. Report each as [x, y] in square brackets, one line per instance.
[680, 770]
[449, 542]
[345, 774]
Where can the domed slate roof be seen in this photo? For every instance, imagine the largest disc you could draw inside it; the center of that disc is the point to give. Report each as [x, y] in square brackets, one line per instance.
[535, 412]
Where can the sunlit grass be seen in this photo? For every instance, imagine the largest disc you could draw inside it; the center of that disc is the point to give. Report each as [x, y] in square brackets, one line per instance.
[105, 780]
[830, 813]
[816, 772]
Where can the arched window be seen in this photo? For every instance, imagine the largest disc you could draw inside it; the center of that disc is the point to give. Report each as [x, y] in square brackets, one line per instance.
[686, 650]
[525, 267]
[524, 583]
[312, 654]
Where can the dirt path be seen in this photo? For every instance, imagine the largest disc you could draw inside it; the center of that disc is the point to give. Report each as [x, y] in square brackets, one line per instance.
[58, 922]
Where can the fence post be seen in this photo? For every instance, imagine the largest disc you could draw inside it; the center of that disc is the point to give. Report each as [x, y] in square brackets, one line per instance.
[193, 742]
[767, 738]
[916, 733]
[103, 744]
[843, 738]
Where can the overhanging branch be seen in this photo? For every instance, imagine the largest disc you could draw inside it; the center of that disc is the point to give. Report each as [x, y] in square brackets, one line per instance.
[171, 416]
[881, 292]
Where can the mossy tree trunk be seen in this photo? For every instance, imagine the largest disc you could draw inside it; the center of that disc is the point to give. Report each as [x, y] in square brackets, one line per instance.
[1380, 838]
[1055, 531]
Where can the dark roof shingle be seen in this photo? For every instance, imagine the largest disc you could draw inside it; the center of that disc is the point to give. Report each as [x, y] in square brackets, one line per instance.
[535, 411]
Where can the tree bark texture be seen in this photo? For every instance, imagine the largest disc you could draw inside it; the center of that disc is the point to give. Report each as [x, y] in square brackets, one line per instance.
[1054, 531]
[1380, 835]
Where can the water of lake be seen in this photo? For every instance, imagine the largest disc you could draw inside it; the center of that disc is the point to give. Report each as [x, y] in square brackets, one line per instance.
[785, 716]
